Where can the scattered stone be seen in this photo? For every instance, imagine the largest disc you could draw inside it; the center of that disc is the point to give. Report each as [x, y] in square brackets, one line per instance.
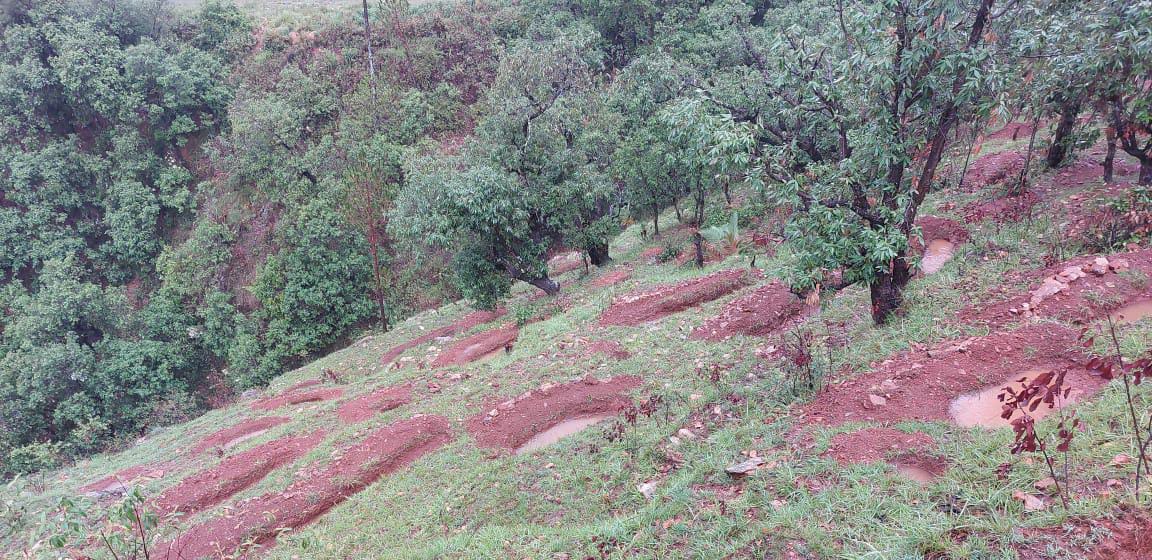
[1031, 503]
[1100, 266]
[1071, 274]
[1121, 460]
[647, 489]
[1120, 265]
[877, 400]
[685, 433]
[493, 413]
[746, 467]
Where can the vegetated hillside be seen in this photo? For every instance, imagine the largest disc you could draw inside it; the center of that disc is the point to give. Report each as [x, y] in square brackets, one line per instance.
[900, 254]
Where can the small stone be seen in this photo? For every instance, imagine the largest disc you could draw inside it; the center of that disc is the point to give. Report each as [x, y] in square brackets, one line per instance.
[1113, 483]
[685, 433]
[1121, 460]
[647, 489]
[1120, 265]
[745, 467]
[493, 413]
[877, 400]
[674, 440]
[889, 384]
[1100, 266]
[1031, 503]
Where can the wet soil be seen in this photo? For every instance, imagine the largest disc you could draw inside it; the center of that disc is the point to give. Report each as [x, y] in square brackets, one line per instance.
[983, 407]
[921, 385]
[298, 397]
[513, 422]
[560, 431]
[1133, 312]
[480, 346]
[119, 482]
[638, 308]
[231, 436]
[757, 313]
[233, 474]
[1130, 538]
[469, 322]
[907, 452]
[318, 488]
[365, 407]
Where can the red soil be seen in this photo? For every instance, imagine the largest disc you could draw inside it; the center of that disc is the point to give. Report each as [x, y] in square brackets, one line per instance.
[126, 478]
[609, 348]
[872, 445]
[993, 169]
[921, 386]
[222, 437]
[1131, 538]
[303, 385]
[565, 263]
[259, 520]
[1007, 209]
[757, 313]
[364, 407]
[933, 228]
[611, 279]
[298, 397]
[233, 474]
[1012, 131]
[641, 307]
[478, 346]
[518, 419]
[650, 254]
[468, 322]
[1081, 300]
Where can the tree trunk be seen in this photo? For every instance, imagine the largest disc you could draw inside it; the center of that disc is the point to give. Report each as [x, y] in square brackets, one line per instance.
[1058, 151]
[1145, 172]
[655, 220]
[546, 284]
[676, 205]
[698, 241]
[598, 254]
[1110, 157]
[887, 290]
[1022, 182]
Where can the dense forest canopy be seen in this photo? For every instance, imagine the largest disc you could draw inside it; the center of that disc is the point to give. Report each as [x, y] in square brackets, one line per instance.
[192, 202]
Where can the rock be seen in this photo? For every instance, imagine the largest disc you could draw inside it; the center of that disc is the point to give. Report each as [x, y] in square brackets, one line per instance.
[674, 440]
[1100, 266]
[745, 467]
[647, 489]
[1113, 483]
[1049, 288]
[1121, 460]
[1031, 503]
[1071, 274]
[1120, 265]
[249, 394]
[888, 385]
[685, 433]
[493, 413]
[877, 400]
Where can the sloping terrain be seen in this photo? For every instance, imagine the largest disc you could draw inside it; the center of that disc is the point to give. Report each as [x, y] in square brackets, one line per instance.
[678, 423]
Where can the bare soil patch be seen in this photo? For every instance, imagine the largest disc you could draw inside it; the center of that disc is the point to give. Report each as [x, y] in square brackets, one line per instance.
[468, 322]
[611, 279]
[609, 348]
[298, 397]
[226, 436]
[905, 451]
[935, 227]
[259, 520]
[641, 307]
[758, 313]
[998, 168]
[121, 481]
[513, 422]
[563, 264]
[364, 407]
[233, 474]
[1131, 538]
[922, 385]
[1012, 131]
[478, 346]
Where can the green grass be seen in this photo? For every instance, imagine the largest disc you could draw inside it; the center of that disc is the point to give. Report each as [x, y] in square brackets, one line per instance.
[566, 500]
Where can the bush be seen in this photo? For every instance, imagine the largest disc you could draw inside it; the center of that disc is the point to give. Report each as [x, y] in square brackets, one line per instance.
[34, 457]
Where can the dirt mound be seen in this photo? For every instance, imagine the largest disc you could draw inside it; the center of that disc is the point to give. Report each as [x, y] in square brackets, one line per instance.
[513, 422]
[1006, 209]
[611, 279]
[993, 169]
[367, 406]
[562, 264]
[872, 445]
[119, 482]
[934, 227]
[641, 307]
[259, 520]
[303, 385]
[1079, 290]
[244, 430]
[298, 397]
[922, 385]
[233, 474]
[758, 313]
[609, 348]
[1131, 538]
[478, 346]
[1012, 131]
[468, 322]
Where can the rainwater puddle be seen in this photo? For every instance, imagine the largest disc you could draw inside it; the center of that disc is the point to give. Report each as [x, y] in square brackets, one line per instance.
[918, 474]
[982, 408]
[939, 251]
[561, 431]
[1133, 312]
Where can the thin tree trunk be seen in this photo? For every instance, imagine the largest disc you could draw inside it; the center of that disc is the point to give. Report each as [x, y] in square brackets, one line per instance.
[655, 220]
[1110, 157]
[1145, 172]
[368, 44]
[697, 238]
[1021, 182]
[676, 205]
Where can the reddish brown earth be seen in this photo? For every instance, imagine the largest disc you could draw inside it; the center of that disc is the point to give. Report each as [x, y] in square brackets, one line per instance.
[638, 308]
[468, 322]
[562, 264]
[650, 254]
[873, 445]
[478, 346]
[233, 474]
[921, 385]
[298, 397]
[257, 521]
[1131, 538]
[933, 228]
[1083, 300]
[126, 478]
[611, 279]
[1012, 131]
[222, 437]
[1006, 209]
[758, 313]
[367, 406]
[609, 348]
[518, 419]
[993, 169]
[303, 385]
